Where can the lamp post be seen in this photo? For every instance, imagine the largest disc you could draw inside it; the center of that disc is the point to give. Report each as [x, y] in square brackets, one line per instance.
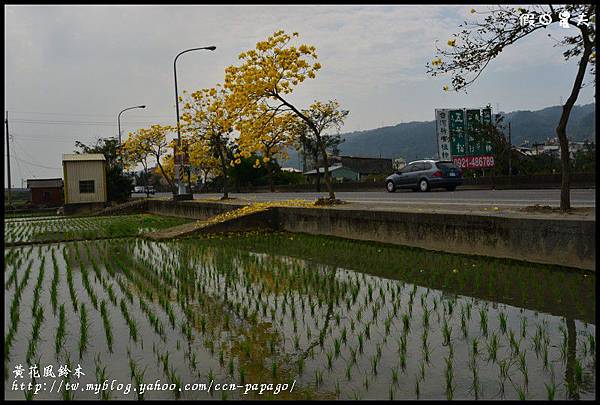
[180, 186]
[119, 118]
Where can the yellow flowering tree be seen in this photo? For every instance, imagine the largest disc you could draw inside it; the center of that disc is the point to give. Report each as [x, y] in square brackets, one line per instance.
[208, 122]
[268, 135]
[268, 75]
[133, 153]
[203, 158]
[151, 142]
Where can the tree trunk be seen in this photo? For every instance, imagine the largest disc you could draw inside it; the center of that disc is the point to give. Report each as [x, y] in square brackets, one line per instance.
[270, 173]
[146, 172]
[318, 179]
[561, 129]
[163, 173]
[326, 169]
[224, 168]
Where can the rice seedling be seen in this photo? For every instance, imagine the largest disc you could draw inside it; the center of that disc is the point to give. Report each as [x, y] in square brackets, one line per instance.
[403, 360]
[405, 323]
[61, 330]
[550, 390]
[521, 391]
[318, 378]
[523, 327]
[83, 330]
[592, 342]
[514, 344]
[446, 333]
[449, 374]
[502, 318]
[395, 375]
[130, 321]
[492, 347]
[107, 326]
[483, 321]
[72, 292]
[578, 372]
[101, 376]
[35, 333]
[417, 388]
[474, 347]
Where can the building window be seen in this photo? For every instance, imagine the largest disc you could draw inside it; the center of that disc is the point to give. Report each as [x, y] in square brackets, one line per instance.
[86, 186]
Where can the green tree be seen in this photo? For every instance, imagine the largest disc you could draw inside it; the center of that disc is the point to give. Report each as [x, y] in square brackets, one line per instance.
[479, 42]
[118, 185]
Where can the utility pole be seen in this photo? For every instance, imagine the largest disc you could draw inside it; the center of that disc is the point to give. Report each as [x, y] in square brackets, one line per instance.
[8, 161]
[509, 151]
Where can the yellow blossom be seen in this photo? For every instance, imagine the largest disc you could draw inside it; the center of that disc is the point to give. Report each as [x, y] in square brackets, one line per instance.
[451, 42]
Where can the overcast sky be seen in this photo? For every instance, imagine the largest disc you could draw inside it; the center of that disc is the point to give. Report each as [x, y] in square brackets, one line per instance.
[69, 70]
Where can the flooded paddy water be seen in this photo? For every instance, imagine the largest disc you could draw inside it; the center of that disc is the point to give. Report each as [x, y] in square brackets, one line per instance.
[331, 317]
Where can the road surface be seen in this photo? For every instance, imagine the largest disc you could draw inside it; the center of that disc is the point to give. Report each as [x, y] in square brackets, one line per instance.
[438, 198]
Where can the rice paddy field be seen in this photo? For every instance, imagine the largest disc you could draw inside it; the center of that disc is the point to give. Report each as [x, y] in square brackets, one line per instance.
[338, 319]
[25, 230]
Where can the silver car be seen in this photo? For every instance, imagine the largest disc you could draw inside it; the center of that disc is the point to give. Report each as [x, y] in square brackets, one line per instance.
[423, 175]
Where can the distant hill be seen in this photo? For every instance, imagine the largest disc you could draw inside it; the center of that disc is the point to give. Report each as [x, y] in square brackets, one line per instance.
[416, 140]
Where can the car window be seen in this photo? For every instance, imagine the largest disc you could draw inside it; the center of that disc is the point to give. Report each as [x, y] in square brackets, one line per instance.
[446, 165]
[426, 166]
[408, 169]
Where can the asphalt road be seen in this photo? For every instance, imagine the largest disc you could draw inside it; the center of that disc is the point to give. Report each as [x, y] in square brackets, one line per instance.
[440, 198]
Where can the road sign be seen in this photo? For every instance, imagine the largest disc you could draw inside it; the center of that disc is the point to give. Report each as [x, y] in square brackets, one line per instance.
[460, 138]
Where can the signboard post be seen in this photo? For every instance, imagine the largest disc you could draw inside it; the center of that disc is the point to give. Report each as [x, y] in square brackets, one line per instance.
[460, 138]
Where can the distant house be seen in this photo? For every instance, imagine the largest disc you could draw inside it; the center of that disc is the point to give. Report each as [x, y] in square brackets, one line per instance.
[338, 173]
[84, 182]
[291, 170]
[364, 166]
[46, 192]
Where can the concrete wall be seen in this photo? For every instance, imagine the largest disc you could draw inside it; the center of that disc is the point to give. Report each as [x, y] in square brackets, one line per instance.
[189, 209]
[83, 208]
[560, 242]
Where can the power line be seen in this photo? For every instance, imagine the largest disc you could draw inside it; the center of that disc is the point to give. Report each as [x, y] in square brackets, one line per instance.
[89, 115]
[36, 165]
[87, 123]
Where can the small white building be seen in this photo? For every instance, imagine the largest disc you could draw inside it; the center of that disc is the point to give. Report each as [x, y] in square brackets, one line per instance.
[84, 181]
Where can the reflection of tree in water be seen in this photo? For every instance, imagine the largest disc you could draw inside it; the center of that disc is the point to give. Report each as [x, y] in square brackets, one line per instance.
[264, 279]
[210, 285]
[234, 301]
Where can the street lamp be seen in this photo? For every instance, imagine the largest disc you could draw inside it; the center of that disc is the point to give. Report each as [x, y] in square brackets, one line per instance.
[180, 186]
[119, 119]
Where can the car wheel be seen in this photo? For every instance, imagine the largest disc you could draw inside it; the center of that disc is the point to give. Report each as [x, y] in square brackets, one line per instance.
[423, 185]
[451, 188]
[390, 187]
